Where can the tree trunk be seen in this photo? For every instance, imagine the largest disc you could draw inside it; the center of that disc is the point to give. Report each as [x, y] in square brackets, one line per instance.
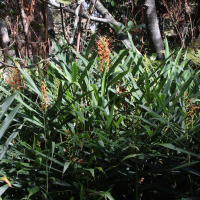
[152, 27]
[4, 39]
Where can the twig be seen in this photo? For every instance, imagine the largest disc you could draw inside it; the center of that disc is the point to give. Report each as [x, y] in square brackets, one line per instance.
[47, 46]
[69, 10]
[62, 22]
[25, 26]
[172, 18]
[29, 15]
[88, 20]
[18, 52]
[8, 47]
[75, 25]
[79, 28]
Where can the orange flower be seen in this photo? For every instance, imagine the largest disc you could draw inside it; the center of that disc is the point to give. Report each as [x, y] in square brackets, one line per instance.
[45, 98]
[14, 79]
[103, 50]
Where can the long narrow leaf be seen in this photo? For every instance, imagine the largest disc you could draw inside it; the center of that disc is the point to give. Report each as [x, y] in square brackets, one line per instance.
[5, 106]
[31, 83]
[171, 146]
[155, 114]
[90, 45]
[8, 141]
[84, 73]
[7, 121]
[117, 62]
[183, 89]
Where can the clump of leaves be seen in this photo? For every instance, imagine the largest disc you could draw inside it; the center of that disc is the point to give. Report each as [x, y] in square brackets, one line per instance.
[121, 136]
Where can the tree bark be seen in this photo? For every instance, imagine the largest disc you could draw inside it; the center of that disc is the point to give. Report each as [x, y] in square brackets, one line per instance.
[4, 39]
[4, 44]
[152, 28]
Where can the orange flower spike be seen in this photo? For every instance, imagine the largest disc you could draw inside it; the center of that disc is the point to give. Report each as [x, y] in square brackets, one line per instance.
[103, 51]
[17, 79]
[45, 98]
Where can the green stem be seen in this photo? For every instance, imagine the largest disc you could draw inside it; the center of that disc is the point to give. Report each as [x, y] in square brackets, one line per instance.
[76, 124]
[136, 178]
[191, 188]
[103, 85]
[45, 134]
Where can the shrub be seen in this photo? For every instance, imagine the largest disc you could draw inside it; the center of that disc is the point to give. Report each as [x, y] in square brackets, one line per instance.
[78, 132]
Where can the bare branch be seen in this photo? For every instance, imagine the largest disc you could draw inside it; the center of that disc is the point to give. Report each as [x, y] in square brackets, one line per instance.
[8, 46]
[25, 26]
[108, 18]
[62, 22]
[69, 10]
[88, 20]
[75, 25]
[79, 28]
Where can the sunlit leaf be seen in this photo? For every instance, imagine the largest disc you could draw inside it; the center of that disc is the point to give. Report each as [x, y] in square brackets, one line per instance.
[6, 180]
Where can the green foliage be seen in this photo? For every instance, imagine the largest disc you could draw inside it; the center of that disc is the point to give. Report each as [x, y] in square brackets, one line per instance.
[79, 133]
[191, 53]
[65, 1]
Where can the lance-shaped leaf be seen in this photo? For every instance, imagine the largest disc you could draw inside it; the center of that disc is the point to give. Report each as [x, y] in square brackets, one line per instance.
[6, 180]
[11, 137]
[7, 121]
